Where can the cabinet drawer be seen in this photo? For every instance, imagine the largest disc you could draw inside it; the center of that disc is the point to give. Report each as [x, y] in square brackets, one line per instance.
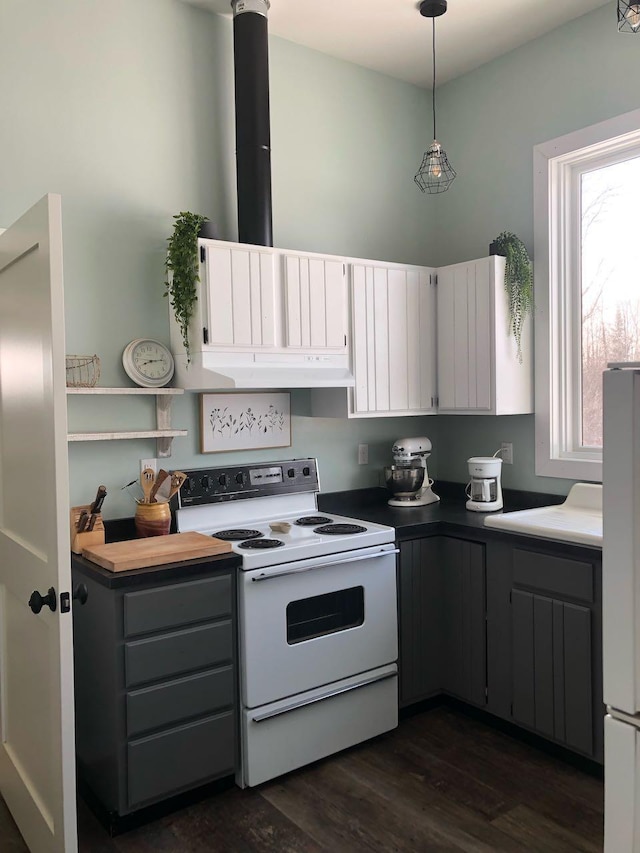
[176, 605]
[182, 651]
[186, 698]
[556, 575]
[181, 758]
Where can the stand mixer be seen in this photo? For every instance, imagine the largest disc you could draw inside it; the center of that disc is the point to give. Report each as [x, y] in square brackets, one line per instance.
[407, 478]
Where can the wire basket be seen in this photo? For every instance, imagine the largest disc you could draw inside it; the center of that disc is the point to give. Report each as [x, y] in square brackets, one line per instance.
[83, 371]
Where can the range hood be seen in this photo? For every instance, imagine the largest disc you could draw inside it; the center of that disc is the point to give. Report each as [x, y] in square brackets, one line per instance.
[209, 371]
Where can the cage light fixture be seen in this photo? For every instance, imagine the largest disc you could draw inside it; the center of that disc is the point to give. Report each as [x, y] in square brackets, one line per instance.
[435, 174]
[628, 17]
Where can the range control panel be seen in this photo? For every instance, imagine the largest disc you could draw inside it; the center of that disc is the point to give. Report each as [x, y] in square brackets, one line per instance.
[237, 482]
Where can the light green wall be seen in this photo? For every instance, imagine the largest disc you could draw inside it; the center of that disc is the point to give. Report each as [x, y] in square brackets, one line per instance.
[125, 108]
[488, 122]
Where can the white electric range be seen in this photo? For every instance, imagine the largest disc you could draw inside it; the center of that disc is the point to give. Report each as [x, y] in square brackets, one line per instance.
[316, 613]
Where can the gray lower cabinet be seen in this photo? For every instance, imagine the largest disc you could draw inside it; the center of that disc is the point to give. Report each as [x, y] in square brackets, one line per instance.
[441, 583]
[557, 648]
[420, 619]
[510, 627]
[156, 684]
[464, 615]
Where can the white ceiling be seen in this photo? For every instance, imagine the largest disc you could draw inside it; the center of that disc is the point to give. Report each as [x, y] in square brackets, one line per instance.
[392, 37]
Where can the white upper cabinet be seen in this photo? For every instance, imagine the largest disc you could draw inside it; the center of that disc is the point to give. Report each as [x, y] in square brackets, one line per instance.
[392, 344]
[478, 367]
[315, 300]
[265, 318]
[361, 334]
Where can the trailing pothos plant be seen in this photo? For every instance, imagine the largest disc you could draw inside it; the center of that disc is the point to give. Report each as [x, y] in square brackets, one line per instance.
[182, 270]
[518, 282]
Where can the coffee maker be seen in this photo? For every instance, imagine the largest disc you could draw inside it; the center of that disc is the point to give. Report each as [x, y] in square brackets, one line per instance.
[484, 489]
[407, 478]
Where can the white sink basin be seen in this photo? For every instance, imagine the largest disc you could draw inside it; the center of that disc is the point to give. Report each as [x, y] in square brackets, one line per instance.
[578, 519]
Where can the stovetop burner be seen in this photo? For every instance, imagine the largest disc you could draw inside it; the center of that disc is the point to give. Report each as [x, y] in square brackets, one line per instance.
[261, 543]
[313, 520]
[237, 535]
[340, 529]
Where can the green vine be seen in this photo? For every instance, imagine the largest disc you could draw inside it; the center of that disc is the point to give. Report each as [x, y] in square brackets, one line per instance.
[518, 283]
[182, 270]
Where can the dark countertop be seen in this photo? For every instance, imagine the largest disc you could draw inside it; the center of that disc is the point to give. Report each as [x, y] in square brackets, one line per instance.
[183, 570]
[449, 512]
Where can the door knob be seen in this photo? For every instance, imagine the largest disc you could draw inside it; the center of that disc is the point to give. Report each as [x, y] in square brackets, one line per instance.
[37, 601]
[80, 593]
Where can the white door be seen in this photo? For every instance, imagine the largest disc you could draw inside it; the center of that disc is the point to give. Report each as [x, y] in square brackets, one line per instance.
[240, 294]
[37, 755]
[393, 339]
[315, 299]
[464, 336]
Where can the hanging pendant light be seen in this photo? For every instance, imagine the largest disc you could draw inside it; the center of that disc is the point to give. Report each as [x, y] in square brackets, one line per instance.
[628, 17]
[435, 174]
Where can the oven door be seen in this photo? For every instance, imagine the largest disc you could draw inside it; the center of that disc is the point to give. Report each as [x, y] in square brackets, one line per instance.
[312, 622]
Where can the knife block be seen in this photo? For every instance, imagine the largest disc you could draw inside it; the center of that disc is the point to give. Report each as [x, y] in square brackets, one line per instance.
[88, 537]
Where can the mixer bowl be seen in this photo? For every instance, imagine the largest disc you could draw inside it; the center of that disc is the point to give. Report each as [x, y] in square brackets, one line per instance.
[404, 481]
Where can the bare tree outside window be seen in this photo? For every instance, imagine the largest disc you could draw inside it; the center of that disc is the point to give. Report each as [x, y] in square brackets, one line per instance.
[610, 285]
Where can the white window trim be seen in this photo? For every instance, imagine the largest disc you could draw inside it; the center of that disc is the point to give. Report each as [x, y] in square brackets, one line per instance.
[555, 349]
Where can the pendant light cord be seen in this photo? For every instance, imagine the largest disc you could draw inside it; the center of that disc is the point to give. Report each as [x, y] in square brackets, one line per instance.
[433, 98]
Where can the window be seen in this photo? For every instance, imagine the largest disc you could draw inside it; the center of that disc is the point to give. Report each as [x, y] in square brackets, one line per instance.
[587, 286]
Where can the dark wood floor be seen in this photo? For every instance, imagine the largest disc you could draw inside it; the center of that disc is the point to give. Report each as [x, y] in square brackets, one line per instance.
[440, 782]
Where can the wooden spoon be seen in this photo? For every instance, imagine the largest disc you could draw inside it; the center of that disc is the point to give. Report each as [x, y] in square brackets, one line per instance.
[162, 476]
[177, 479]
[146, 481]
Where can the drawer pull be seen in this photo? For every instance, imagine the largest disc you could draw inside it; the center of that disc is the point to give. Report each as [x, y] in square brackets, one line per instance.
[269, 715]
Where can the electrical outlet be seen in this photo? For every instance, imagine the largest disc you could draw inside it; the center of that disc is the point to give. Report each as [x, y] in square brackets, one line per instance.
[149, 463]
[507, 452]
[363, 454]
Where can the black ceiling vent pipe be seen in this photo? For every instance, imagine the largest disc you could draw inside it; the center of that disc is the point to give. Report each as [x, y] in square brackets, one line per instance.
[253, 137]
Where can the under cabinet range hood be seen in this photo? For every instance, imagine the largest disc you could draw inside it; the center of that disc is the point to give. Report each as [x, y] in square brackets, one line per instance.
[213, 372]
[265, 318]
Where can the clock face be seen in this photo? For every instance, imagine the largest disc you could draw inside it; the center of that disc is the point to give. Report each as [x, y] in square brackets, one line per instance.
[148, 363]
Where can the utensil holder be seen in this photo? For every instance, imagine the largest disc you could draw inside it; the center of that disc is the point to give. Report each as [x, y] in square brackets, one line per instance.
[87, 537]
[153, 519]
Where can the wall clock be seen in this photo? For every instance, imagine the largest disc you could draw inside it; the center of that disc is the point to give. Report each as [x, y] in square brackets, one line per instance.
[149, 363]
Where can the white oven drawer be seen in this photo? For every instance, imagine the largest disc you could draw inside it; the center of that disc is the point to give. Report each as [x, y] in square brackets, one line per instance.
[284, 735]
[314, 622]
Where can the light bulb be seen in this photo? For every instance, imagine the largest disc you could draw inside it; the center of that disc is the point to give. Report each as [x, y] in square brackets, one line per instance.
[435, 169]
[633, 15]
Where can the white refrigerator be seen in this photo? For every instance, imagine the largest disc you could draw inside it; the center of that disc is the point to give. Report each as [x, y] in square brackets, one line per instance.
[621, 607]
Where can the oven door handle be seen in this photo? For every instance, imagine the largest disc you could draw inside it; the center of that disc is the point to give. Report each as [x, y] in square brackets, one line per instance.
[298, 571]
[302, 703]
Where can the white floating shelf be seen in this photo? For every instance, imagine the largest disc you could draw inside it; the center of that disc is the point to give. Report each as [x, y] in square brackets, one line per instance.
[96, 390]
[163, 434]
[112, 436]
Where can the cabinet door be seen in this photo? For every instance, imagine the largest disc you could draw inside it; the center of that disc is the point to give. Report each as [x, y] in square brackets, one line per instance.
[464, 614]
[420, 619]
[393, 312]
[464, 337]
[315, 299]
[552, 668]
[240, 297]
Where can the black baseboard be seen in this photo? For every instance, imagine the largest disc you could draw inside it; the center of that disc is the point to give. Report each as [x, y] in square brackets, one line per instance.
[116, 824]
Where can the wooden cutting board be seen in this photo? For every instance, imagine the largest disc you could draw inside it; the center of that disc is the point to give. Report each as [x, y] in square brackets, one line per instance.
[155, 551]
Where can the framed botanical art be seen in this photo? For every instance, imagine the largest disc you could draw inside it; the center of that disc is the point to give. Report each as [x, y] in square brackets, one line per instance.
[244, 421]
